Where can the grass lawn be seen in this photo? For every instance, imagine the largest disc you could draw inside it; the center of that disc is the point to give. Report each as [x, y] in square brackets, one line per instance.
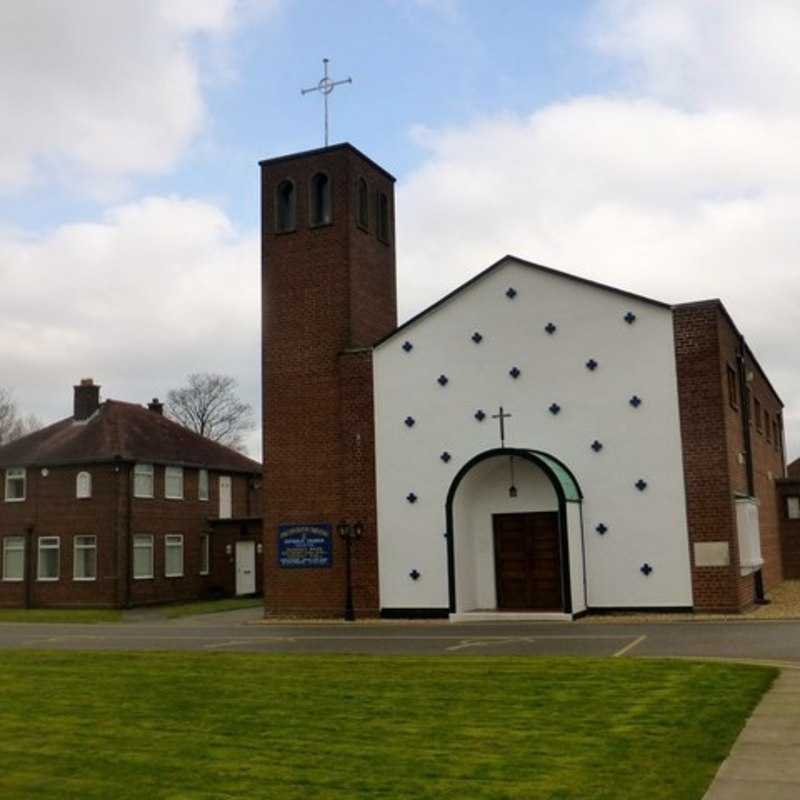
[87, 615]
[211, 606]
[222, 725]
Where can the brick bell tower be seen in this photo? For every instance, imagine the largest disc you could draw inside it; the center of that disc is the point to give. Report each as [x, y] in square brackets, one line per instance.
[328, 294]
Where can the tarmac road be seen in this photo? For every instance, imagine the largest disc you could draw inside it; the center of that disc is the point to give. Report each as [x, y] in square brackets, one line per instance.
[243, 631]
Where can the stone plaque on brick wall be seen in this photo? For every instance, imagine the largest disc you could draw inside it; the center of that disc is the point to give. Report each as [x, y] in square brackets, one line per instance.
[712, 554]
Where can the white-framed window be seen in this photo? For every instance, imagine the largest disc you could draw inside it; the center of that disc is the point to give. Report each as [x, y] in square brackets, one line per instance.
[225, 497]
[205, 553]
[202, 484]
[793, 507]
[142, 556]
[143, 480]
[14, 558]
[173, 555]
[83, 485]
[84, 559]
[173, 483]
[15, 484]
[49, 558]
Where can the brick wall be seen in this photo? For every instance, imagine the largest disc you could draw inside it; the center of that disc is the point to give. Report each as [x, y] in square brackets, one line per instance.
[706, 343]
[790, 528]
[326, 291]
[51, 508]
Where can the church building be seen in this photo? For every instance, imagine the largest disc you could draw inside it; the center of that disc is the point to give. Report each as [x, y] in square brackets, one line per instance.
[533, 445]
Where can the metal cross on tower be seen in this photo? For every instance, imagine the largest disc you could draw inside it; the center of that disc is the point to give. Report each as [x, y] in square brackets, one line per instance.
[325, 87]
[502, 416]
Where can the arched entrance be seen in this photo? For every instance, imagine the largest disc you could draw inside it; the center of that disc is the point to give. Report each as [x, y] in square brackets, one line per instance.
[517, 548]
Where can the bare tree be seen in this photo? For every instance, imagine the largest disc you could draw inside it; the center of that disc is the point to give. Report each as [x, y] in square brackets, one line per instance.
[12, 425]
[209, 404]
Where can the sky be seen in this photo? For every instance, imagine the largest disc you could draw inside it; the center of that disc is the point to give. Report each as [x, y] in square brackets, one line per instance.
[648, 144]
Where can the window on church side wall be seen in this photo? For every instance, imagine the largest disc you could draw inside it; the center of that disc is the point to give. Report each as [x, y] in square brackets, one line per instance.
[767, 427]
[363, 204]
[383, 217]
[733, 387]
[757, 404]
[285, 205]
[776, 435]
[320, 199]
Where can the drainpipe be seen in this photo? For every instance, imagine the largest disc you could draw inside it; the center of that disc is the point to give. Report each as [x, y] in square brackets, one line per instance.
[744, 402]
[28, 570]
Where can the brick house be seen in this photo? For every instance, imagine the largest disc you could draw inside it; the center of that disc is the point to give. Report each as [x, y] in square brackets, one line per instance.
[533, 443]
[119, 506]
[789, 514]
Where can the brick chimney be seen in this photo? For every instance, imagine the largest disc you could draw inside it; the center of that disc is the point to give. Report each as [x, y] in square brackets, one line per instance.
[87, 399]
[156, 406]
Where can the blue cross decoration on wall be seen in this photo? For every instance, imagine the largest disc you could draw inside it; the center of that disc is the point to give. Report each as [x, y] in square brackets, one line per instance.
[646, 569]
[480, 415]
[515, 372]
[554, 409]
[511, 293]
[445, 456]
[591, 365]
[442, 380]
[411, 497]
[602, 528]
[635, 401]
[550, 328]
[630, 318]
[597, 446]
[641, 485]
[477, 338]
[409, 421]
[407, 346]
[415, 574]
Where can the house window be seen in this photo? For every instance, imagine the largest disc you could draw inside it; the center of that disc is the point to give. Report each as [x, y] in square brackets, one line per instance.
[362, 204]
[320, 199]
[15, 484]
[202, 484]
[383, 217]
[173, 483]
[173, 555]
[776, 434]
[767, 426]
[83, 485]
[142, 556]
[13, 558]
[285, 206]
[733, 387]
[84, 561]
[49, 558]
[143, 480]
[757, 405]
[205, 553]
[225, 497]
[749, 396]
[793, 507]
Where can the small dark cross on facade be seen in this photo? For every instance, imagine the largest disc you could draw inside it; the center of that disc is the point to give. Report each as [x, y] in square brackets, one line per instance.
[502, 416]
[325, 87]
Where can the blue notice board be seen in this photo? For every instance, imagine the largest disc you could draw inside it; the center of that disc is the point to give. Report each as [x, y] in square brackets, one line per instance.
[305, 546]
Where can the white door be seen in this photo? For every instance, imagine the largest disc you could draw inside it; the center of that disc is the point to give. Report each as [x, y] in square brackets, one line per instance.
[225, 503]
[245, 568]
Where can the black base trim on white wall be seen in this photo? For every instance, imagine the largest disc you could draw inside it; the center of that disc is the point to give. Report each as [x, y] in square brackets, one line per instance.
[415, 613]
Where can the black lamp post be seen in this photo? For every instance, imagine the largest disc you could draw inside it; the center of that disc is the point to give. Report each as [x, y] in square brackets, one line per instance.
[350, 532]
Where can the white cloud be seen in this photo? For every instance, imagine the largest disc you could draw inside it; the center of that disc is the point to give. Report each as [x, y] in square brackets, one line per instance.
[683, 187]
[103, 90]
[155, 290]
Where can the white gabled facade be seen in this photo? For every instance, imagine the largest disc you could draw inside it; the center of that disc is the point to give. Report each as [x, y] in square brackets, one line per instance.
[594, 405]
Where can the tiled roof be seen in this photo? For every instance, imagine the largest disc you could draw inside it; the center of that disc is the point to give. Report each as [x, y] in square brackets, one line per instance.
[124, 431]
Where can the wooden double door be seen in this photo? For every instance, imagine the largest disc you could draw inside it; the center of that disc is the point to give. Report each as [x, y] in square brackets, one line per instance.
[527, 558]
